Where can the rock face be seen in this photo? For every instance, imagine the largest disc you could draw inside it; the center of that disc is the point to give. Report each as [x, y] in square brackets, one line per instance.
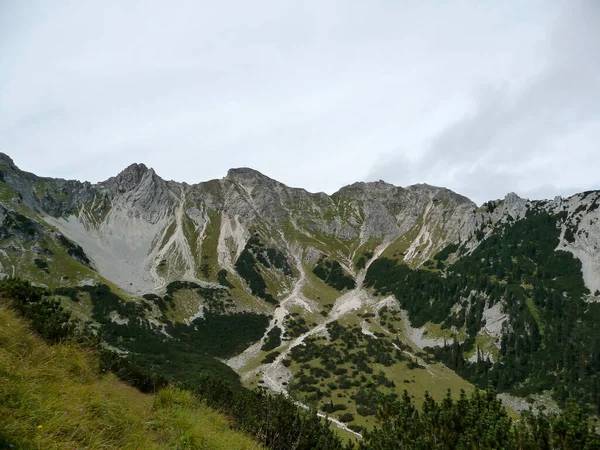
[580, 233]
[141, 231]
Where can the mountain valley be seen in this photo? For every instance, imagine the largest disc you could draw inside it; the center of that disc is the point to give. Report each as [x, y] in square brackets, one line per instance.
[340, 301]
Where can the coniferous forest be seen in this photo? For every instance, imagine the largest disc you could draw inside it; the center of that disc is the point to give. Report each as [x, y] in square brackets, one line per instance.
[551, 341]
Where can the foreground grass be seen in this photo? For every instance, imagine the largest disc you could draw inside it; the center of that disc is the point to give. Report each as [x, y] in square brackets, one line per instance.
[53, 396]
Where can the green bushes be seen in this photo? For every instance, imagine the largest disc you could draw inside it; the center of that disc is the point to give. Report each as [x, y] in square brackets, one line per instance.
[270, 357]
[222, 278]
[443, 255]
[247, 266]
[41, 264]
[362, 261]
[191, 350]
[366, 411]
[295, 326]
[331, 407]
[319, 372]
[75, 251]
[176, 352]
[550, 341]
[415, 288]
[273, 420]
[216, 300]
[276, 421]
[15, 222]
[477, 422]
[332, 273]
[273, 339]
[323, 364]
[346, 417]
[219, 335]
[47, 316]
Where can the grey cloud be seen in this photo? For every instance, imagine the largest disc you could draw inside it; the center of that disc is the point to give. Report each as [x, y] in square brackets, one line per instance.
[311, 93]
[518, 138]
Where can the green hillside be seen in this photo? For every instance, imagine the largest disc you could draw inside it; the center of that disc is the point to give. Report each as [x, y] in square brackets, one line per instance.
[50, 381]
[54, 396]
[550, 339]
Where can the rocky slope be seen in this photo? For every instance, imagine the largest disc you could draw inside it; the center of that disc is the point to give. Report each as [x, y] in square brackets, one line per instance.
[142, 232]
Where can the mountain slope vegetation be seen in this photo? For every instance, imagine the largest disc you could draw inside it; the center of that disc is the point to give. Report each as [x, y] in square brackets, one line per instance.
[56, 396]
[340, 301]
[274, 421]
[549, 338]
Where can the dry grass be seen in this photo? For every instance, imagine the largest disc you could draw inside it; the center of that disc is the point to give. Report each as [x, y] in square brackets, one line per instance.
[53, 397]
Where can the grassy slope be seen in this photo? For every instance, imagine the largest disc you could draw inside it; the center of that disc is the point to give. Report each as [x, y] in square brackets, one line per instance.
[58, 389]
[6, 192]
[316, 289]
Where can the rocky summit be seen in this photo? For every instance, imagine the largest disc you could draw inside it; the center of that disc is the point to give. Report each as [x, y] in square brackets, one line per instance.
[344, 298]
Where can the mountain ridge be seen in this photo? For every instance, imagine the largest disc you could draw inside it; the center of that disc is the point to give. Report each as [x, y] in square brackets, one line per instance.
[137, 169]
[251, 196]
[246, 193]
[315, 266]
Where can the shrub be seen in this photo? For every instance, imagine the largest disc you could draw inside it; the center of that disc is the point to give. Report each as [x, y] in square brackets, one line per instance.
[347, 417]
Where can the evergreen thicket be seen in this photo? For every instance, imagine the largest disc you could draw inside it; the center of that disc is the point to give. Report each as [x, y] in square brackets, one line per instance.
[331, 272]
[273, 420]
[476, 422]
[248, 265]
[551, 340]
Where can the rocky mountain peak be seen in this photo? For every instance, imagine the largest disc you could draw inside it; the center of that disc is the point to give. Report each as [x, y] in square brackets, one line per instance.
[245, 173]
[515, 205]
[130, 177]
[512, 198]
[7, 161]
[369, 189]
[439, 194]
[250, 178]
[135, 170]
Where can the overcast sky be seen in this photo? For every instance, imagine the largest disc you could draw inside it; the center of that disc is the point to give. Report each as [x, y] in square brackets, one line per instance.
[483, 97]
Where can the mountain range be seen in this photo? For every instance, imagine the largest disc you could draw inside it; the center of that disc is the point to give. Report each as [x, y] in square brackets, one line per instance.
[337, 300]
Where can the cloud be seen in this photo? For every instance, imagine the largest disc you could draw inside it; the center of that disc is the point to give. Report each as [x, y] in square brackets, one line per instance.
[523, 138]
[474, 95]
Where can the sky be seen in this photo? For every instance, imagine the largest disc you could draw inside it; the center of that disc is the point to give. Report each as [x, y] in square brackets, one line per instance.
[482, 97]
